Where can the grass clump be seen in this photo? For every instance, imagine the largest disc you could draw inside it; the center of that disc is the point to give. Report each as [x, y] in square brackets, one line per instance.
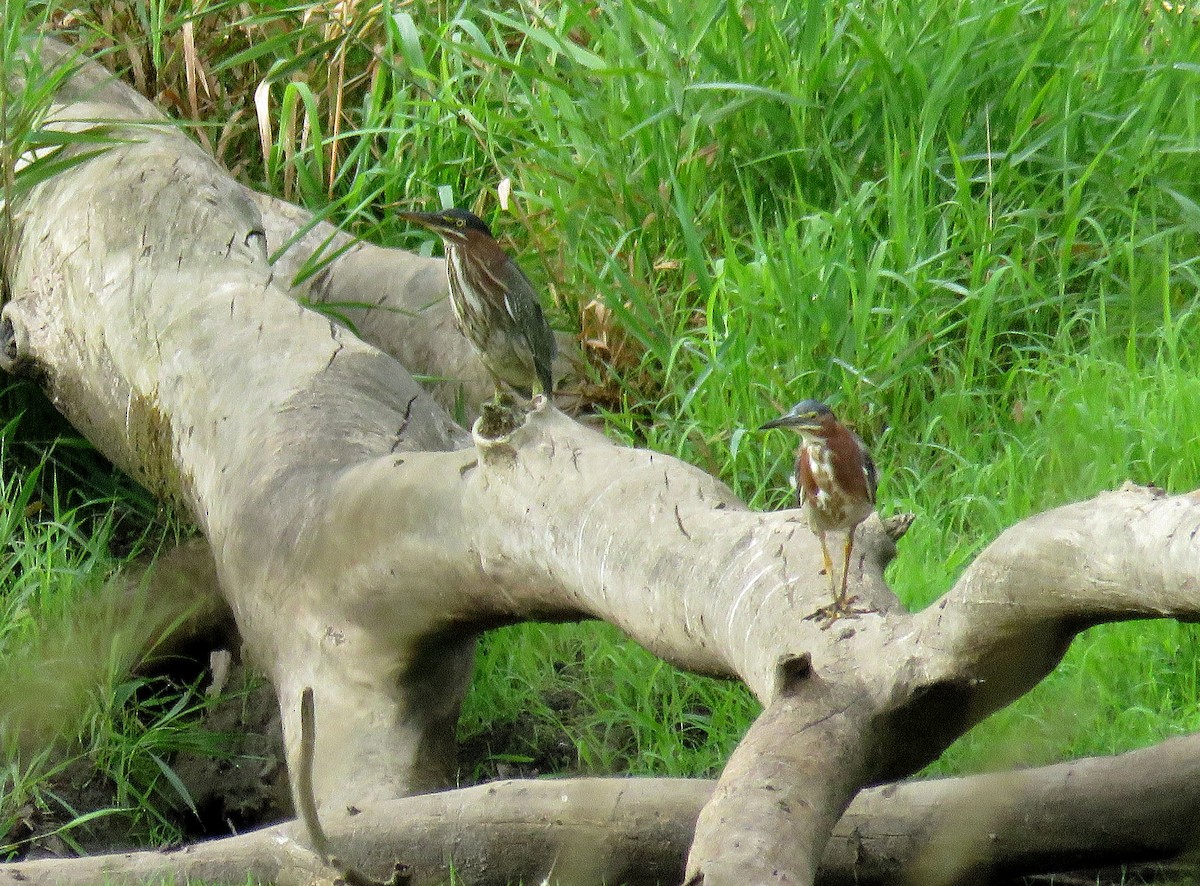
[71, 710]
[578, 698]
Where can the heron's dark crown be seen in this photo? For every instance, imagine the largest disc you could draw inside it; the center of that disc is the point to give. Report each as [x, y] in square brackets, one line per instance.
[814, 408]
[807, 415]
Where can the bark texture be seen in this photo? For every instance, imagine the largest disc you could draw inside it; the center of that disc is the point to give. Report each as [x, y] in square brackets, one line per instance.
[362, 538]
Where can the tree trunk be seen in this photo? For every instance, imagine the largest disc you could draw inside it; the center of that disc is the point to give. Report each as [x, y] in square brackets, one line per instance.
[363, 539]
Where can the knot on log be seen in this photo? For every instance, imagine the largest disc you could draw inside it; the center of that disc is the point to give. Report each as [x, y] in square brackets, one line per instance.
[879, 536]
[897, 525]
[15, 357]
[499, 421]
[791, 670]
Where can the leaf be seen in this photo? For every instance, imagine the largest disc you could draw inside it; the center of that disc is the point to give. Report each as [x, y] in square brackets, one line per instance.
[749, 89]
[410, 43]
[176, 783]
[1188, 208]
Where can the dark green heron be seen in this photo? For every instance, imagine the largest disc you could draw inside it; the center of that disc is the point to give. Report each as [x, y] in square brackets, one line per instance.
[835, 484]
[495, 305]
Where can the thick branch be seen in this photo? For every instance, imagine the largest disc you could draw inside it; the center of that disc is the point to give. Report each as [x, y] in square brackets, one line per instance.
[181, 360]
[554, 521]
[1132, 553]
[393, 299]
[783, 789]
[1137, 806]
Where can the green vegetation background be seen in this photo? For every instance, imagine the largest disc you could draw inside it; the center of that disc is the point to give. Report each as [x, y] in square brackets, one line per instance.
[969, 225]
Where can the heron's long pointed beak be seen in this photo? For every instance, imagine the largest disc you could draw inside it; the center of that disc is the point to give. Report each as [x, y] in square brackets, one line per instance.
[424, 219]
[794, 422]
[780, 422]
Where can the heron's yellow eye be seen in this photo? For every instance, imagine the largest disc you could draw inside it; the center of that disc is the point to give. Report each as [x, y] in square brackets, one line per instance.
[461, 222]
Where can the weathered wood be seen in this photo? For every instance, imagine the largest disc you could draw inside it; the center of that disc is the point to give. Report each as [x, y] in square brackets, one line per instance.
[1138, 806]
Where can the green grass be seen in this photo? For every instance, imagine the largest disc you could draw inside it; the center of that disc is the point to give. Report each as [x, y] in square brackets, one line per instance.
[971, 227]
[69, 707]
[579, 698]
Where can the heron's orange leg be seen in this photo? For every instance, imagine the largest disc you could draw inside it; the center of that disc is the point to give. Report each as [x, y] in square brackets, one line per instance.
[842, 606]
[841, 598]
[828, 563]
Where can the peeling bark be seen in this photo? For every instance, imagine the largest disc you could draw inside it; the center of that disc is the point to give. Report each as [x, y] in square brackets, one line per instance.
[362, 538]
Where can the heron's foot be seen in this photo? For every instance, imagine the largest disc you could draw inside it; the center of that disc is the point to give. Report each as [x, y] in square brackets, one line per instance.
[841, 607]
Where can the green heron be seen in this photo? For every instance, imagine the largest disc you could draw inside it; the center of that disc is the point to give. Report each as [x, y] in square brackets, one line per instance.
[495, 305]
[835, 484]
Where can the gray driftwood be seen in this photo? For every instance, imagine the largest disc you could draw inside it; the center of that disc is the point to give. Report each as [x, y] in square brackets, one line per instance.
[979, 829]
[362, 539]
